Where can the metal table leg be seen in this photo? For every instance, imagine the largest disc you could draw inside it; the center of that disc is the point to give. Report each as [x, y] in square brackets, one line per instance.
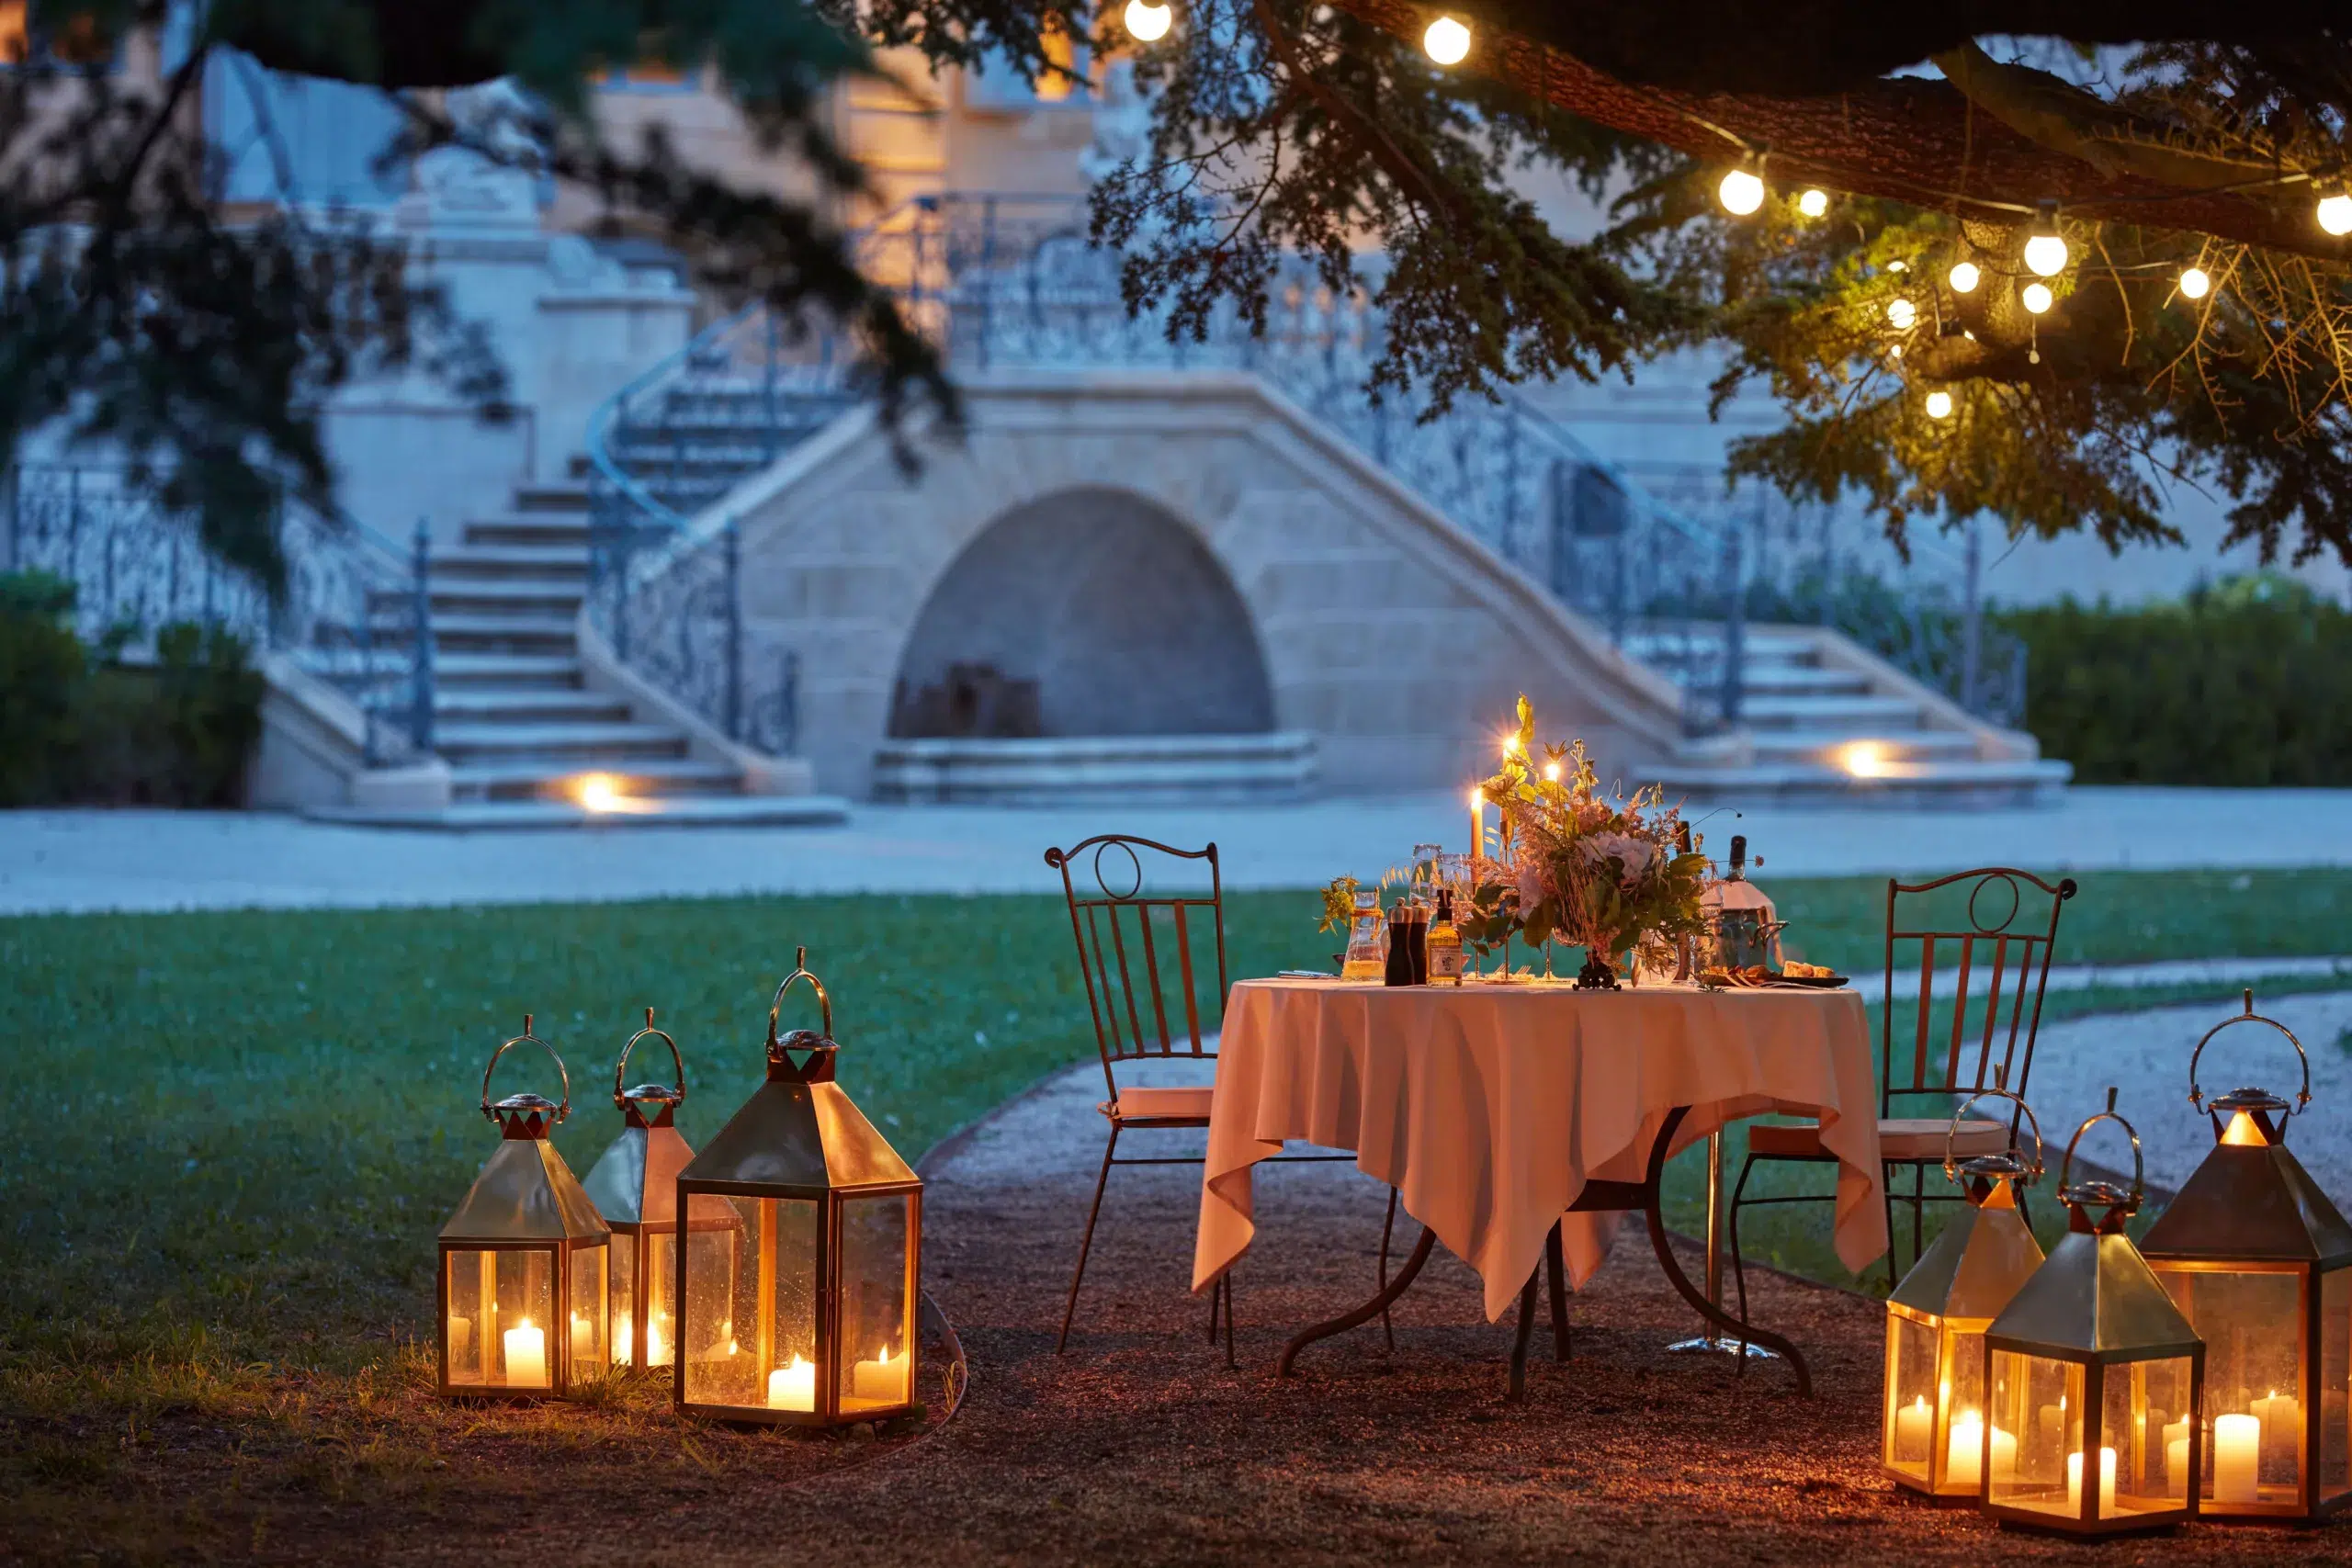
[1719, 1343]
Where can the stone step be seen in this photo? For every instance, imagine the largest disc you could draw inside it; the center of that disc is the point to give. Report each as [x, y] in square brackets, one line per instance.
[468, 704]
[561, 497]
[1859, 752]
[1862, 714]
[658, 811]
[1122, 770]
[1933, 785]
[538, 532]
[504, 633]
[495, 563]
[505, 672]
[517, 596]
[1802, 680]
[562, 743]
[541, 779]
[1665, 648]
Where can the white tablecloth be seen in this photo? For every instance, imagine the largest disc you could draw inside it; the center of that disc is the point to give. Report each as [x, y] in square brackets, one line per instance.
[1489, 1106]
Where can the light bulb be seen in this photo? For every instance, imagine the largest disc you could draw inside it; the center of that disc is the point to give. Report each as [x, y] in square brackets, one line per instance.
[1902, 313]
[1447, 40]
[2045, 255]
[1813, 203]
[1147, 23]
[2336, 213]
[1963, 277]
[2036, 298]
[2195, 284]
[1939, 405]
[1741, 193]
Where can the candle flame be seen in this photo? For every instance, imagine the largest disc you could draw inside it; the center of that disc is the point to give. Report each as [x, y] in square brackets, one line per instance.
[883, 1356]
[1551, 771]
[1511, 744]
[1477, 798]
[2242, 1132]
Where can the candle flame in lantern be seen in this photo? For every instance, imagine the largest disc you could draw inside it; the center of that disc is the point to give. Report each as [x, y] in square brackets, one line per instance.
[1551, 771]
[2242, 1132]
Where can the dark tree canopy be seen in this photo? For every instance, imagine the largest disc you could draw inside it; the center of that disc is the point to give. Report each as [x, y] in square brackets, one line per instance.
[2169, 135]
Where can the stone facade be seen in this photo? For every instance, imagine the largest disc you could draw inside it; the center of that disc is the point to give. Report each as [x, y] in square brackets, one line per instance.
[1383, 632]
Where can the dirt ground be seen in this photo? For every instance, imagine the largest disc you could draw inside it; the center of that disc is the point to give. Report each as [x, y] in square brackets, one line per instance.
[1139, 1445]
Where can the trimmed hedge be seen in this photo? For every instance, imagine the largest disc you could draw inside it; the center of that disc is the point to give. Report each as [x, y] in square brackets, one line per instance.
[2247, 683]
[79, 725]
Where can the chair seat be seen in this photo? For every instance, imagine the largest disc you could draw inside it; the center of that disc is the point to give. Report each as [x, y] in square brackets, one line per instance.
[1908, 1139]
[1180, 1104]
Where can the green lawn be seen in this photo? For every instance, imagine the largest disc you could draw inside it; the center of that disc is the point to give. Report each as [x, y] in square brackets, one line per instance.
[235, 1134]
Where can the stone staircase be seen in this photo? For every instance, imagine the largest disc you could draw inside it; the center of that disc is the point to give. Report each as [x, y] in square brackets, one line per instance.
[528, 740]
[1826, 721]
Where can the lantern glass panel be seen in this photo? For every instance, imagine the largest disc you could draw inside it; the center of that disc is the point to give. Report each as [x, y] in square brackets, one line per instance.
[2037, 1423]
[624, 1246]
[501, 1302]
[2252, 1324]
[660, 1287]
[875, 1336]
[2336, 1383]
[589, 1344]
[1911, 1375]
[2144, 1424]
[1962, 1387]
[750, 1308]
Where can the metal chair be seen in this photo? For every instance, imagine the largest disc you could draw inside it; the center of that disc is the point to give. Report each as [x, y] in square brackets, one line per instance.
[1123, 940]
[1972, 1055]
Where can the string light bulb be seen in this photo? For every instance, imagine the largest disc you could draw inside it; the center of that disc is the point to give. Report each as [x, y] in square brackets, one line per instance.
[1963, 277]
[1813, 202]
[2336, 213]
[1939, 405]
[1902, 313]
[1147, 23]
[1447, 41]
[2036, 298]
[1741, 192]
[2045, 249]
[2195, 284]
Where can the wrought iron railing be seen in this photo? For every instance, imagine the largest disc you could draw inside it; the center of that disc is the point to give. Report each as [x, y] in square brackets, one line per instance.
[356, 611]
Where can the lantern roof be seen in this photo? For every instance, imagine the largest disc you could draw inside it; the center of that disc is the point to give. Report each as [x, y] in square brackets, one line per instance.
[2253, 1202]
[524, 1192]
[635, 1181]
[803, 1139]
[1975, 1267]
[2096, 1295]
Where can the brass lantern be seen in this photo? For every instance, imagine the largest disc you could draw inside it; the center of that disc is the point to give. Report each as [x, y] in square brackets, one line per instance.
[634, 1185]
[2261, 1262]
[523, 1288]
[1935, 1438]
[806, 1314]
[2093, 1371]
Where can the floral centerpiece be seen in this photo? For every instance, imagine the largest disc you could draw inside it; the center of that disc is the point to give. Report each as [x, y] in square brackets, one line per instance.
[1577, 866]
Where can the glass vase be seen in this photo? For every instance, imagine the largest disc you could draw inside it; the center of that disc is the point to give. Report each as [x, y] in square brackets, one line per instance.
[1367, 957]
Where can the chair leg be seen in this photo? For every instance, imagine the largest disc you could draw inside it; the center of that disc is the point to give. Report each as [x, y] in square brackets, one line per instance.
[1738, 1263]
[1086, 1244]
[1555, 1262]
[1216, 1300]
[1886, 1192]
[1919, 1211]
[1387, 1228]
[1229, 1361]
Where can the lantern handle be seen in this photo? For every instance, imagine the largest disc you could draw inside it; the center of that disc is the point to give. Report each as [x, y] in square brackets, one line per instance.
[526, 1038]
[2000, 1090]
[2139, 1171]
[2196, 1095]
[800, 971]
[620, 1068]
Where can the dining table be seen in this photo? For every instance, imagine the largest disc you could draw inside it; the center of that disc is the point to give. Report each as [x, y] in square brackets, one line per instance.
[1521, 1118]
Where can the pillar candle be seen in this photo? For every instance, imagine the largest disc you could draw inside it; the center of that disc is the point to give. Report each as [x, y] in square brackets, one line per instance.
[2176, 1458]
[2237, 1459]
[526, 1356]
[1914, 1425]
[2105, 1482]
[2281, 1416]
[461, 1340]
[584, 1340]
[1964, 1455]
[1477, 824]
[792, 1387]
[622, 1331]
[882, 1381]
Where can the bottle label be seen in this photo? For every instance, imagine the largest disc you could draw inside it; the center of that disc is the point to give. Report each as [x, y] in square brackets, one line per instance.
[1445, 962]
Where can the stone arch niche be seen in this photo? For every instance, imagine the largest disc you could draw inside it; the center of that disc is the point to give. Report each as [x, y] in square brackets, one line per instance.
[1109, 609]
[1083, 642]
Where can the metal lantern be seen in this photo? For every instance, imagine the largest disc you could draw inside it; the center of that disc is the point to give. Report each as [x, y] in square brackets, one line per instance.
[523, 1291]
[634, 1185]
[806, 1313]
[2094, 1376]
[1935, 1439]
[2260, 1261]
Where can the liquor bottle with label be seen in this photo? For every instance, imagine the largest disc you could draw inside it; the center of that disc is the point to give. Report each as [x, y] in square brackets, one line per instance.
[1445, 943]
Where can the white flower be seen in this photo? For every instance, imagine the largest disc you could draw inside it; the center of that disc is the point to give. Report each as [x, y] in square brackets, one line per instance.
[1633, 855]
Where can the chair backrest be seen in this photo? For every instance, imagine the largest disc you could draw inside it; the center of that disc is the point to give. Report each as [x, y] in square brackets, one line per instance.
[1995, 926]
[1132, 943]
